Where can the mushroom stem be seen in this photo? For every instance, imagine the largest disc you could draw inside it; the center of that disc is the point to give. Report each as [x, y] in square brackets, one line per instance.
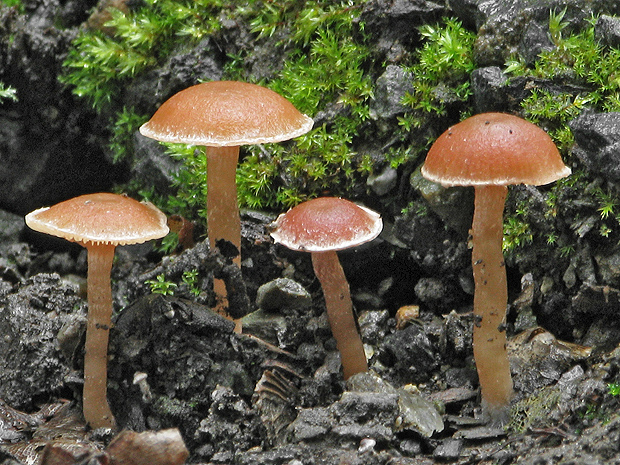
[223, 219]
[490, 301]
[95, 404]
[340, 312]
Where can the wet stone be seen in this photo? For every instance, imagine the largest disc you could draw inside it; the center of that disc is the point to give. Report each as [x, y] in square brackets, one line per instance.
[366, 415]
[607, 30]
[312, 423]
[449, 449]
[284, 296]
[31, 361]
[392, 86]
[597, 137]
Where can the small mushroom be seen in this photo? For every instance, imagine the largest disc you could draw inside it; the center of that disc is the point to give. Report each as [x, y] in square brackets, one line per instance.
[322, 227]
[223, 115]
[490, 151]
[99, 222]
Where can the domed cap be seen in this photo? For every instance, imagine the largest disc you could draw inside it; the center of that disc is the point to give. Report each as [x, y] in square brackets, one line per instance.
[494, 149]
[100, 218]
[226, 113]
[326, 223]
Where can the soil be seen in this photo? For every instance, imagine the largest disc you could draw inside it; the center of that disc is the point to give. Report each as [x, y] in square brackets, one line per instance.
[275, 392]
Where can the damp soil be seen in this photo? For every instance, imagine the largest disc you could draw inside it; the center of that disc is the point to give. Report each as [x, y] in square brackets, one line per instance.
[274, 393]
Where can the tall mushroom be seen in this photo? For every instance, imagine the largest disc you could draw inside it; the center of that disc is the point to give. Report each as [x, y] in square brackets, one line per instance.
[222, 116]
[99, 222]
[490, 151]
[323, 226]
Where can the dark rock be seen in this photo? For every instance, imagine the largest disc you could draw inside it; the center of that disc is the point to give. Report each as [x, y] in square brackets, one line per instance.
[184, 69]
[372, 325]
[383, 182]
[458, 335]
[270, 327]
[230, 423]
[11, 227]
[32, 365]
[156, 330]
[312, 424]
[597, 138]
[430, 289]
[607, 30]
[390, 89]
[410, 352]
[284, 296]
[538, 358]
[502, 24]
[415, 413]
[48, 137]
[449, 450]
[394, 24]
[489, 89]
[454, 205]
[535, 40]
[432, 246]
[283, 314]
[362, 415]
[153, 166]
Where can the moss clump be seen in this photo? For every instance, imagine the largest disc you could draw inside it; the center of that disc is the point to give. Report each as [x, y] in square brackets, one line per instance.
[441, 73]
[101, 61]
[534, 411]
[324, 68]
[579, 73]
[7, 93]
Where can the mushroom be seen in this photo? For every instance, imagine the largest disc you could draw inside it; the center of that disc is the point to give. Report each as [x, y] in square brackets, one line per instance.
[323, 226]
[490, 151]
[99, 222]
[223, 115]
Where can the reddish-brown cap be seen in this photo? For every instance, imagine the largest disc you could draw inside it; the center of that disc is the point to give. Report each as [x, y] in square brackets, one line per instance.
[100, 218]
[326, 223]
[226, 113]
[494, 149]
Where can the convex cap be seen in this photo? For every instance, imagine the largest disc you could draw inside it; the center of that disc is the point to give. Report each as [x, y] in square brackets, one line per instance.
[326, 223]
[494, 149]
[226, 113]
[101, 218]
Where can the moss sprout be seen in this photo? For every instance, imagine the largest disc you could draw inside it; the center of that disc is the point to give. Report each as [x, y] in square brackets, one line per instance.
[7, 93]
[325, 67]
[441, 72]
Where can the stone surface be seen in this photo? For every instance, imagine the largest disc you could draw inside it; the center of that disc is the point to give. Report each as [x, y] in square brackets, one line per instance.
[32, 364]
[597, 138]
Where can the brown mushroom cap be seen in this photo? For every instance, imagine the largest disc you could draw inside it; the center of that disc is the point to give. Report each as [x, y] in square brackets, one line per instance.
[226, 113]
[100, 218]
[494, 149]
[326, 223]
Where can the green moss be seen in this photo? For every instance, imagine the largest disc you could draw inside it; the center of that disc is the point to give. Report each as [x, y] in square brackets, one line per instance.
[325, 66]
[441, 72]
[7, 93]
[593, 71]
[124, 125]
[100, 63]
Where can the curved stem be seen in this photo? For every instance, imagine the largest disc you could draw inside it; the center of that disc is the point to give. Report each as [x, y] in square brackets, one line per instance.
[95, 403]
[490, 301]
[340, 312]
[223, 219]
